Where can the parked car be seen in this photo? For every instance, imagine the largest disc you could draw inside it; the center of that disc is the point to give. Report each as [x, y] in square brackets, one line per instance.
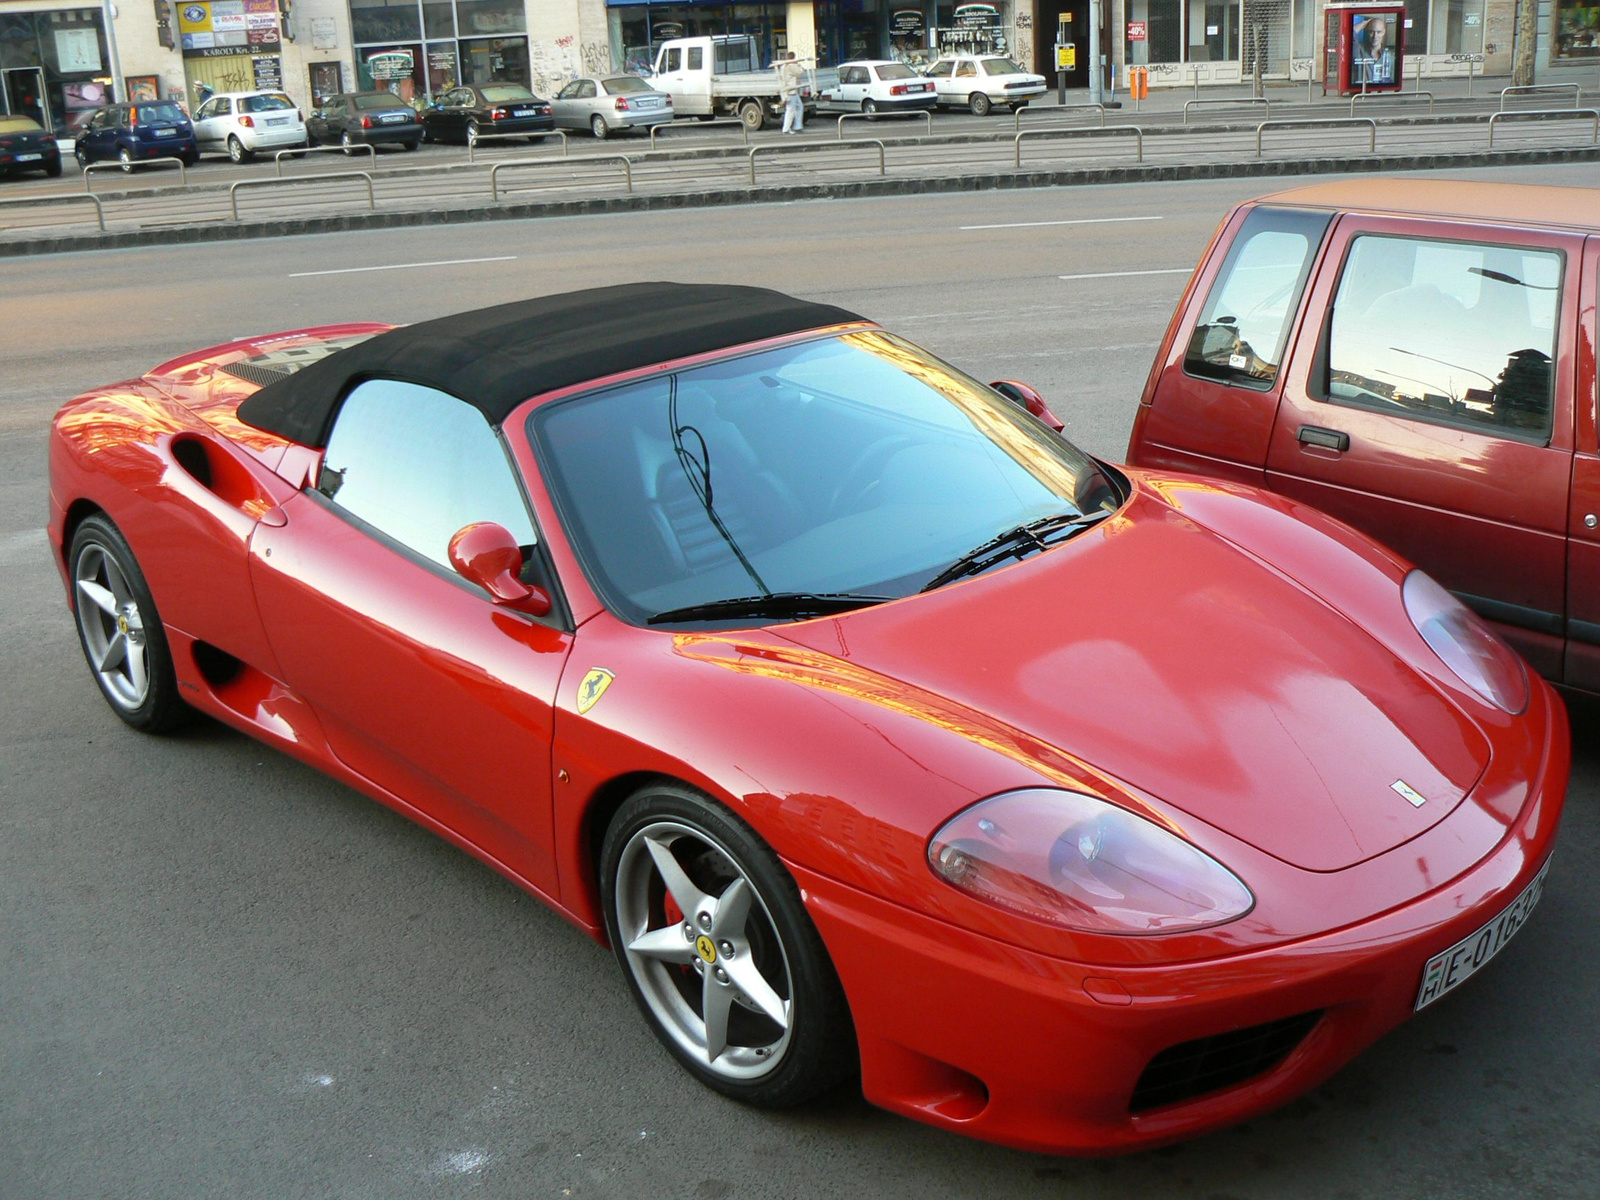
[365, 119]
[872, 86]
[981, 81]
[244, 123]
[462, 113]
[874, 725]
[135, 133]
[1416, 358]
[611, 104]
[722, 76]
[26, 146]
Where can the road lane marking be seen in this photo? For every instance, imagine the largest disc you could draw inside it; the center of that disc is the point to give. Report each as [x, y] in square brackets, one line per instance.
[449, 262]
[1077, 221]
[1129, 274]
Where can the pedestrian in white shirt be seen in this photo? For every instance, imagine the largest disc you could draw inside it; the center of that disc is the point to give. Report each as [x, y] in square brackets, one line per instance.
[791, 82]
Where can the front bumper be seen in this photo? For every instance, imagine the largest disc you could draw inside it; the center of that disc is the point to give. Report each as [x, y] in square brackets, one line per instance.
[1009, 1045]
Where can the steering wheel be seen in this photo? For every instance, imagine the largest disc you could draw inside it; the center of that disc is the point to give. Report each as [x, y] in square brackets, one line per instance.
[862, 475]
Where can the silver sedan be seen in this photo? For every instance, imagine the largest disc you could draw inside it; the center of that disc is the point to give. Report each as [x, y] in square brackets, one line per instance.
[610, 104]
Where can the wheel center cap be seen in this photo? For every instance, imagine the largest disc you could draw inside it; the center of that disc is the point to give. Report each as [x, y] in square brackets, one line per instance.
[122, 623]
[706, 949]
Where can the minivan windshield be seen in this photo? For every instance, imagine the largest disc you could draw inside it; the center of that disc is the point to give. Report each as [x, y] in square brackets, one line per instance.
[846, 466]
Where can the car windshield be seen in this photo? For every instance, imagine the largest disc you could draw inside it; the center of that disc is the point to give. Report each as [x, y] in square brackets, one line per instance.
[380, 100]
[500, 93]
[19, 125]
[157, 114]
[1000, 66]
[272, 103]
[627, 85]
[849, 465]
[896, 71]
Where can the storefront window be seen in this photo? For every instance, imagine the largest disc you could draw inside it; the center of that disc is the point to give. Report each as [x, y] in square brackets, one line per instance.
[385, 20]
[439, 19]
[495, 60]
[637, 30]
[1577, 29]
[1462, 24]
[490, 16]
[443, 71]
[50, 65]
[1416, 27]
[396, 69]
[1163, 31]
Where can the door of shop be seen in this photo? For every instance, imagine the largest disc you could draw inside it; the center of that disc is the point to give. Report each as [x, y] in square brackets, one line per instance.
[25, 94]
[1071, 19]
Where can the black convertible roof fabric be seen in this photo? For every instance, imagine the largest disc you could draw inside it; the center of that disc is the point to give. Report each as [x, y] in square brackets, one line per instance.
[495, 358]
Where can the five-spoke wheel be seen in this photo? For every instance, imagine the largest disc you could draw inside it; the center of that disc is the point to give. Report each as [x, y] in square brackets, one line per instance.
[719, 951]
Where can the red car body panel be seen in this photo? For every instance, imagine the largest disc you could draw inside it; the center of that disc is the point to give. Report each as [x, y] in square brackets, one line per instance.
[1500, 521]
[846, 742]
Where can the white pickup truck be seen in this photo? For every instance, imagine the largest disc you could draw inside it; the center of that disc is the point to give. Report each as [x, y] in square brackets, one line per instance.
[721, 77]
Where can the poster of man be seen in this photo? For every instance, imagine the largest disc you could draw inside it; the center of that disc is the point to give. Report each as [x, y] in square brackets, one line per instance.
[1374, 38]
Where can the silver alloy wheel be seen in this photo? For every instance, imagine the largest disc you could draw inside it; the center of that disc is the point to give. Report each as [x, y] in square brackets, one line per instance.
[716, 977]
[113, 630]
[236, 150]
[125, 157]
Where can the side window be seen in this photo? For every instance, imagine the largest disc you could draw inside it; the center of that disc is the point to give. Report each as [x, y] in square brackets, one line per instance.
[940, 70]
[1240, 336]
[966, 70]
[206, 110]
[674, 59]
[569, 92]
[418, 465]
[697, 57]
[1451, 331]
[224, 107]
[586, 89]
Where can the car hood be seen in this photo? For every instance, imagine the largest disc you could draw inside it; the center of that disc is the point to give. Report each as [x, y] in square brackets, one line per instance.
[1155, 651]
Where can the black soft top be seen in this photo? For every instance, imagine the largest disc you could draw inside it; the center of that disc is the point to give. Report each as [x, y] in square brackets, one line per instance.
[495, 358]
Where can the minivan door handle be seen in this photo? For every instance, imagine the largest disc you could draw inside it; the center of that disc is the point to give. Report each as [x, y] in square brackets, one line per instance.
[1328, 439]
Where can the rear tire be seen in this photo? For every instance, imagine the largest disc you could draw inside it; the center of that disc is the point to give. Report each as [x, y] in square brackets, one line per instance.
[348, 143]
[472, 132]
[980, 104]
[53, 170]
[753, 115]
[125, 157]
[598, 127]
[120, 631]
[870, 107]
[236, 151]
[412, 144]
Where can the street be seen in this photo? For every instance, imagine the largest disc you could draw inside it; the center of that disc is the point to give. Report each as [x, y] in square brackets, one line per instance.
[224, 974]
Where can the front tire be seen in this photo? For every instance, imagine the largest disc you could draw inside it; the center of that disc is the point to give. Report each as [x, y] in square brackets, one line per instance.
[719, 951]
[980, 104]
[120, 630]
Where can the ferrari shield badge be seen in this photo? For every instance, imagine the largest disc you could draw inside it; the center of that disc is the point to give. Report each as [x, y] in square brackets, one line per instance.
[594, 686]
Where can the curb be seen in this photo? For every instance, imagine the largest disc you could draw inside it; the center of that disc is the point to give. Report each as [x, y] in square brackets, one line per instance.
[857, 189]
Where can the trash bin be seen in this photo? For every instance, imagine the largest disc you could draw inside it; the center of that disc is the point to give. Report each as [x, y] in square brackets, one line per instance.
[1139, 82]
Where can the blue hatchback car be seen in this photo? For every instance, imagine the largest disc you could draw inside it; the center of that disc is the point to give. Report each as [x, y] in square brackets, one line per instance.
[135, 133]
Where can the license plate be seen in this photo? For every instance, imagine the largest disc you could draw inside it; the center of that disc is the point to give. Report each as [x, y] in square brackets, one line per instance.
[391, 118]
[29, 157]
[921, 87]
[524, 112]
[1453, 967]
[166, 133]
[277, 120]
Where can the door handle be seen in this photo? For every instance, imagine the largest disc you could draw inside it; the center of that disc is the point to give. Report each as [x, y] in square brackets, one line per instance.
[1328, 439]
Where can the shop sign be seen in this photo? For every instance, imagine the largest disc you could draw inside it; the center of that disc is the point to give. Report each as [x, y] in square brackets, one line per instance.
[906, 22]
[391, 64]
[1136, 31]
[268, 73]
[213, 28]
[977, 16]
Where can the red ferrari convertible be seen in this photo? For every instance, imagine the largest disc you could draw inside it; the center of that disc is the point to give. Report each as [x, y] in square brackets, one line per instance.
[880, 731]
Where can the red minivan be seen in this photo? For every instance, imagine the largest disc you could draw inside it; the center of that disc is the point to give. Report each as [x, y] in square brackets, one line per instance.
[1417, 358]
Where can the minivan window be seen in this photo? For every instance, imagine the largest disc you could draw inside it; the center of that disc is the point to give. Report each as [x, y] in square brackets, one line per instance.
[1458, 332]
[1244, 326]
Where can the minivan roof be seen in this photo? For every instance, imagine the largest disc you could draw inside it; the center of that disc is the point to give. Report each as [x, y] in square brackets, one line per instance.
[1520, 203]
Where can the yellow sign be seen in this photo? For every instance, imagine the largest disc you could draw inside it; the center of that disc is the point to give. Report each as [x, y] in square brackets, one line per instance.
[594, 686]
[1067, 57]
[705, 948]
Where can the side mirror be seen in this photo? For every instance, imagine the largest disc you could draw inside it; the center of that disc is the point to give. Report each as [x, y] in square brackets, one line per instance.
[486, 554]
[1024, 396]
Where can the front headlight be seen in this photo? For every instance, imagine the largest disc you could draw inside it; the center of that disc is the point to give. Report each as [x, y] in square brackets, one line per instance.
[1465, 644]
[1081, 863]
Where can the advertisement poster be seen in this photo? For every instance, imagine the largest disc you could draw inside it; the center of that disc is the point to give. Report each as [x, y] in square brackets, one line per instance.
[77, 50]
[1373, 37]
[207, 30]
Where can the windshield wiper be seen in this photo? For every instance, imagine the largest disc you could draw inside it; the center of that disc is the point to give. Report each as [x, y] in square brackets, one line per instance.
[775, 604]
[1015, 543]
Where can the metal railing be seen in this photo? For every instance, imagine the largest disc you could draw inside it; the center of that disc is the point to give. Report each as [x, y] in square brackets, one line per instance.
[512, 164]
[883, 168]
[233, 189]
[1413, 95]
[1111, 131]
[472, 142]
[1372, 128]
[925, 114]
[99, 209]
[1536, 89]
[692, 125]
[1016, 117]
[277, 159]
[1188, 104]
[1545, 114]
[183, 168]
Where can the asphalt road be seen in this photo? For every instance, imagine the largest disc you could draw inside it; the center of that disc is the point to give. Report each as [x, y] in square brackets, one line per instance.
[222, 974]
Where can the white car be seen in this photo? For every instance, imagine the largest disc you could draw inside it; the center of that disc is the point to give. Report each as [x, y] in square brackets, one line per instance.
[243, 123]
[981, 81]
[875, 85]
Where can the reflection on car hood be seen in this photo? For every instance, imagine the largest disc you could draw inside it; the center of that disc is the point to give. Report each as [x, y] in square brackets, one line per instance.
[1153, 650]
